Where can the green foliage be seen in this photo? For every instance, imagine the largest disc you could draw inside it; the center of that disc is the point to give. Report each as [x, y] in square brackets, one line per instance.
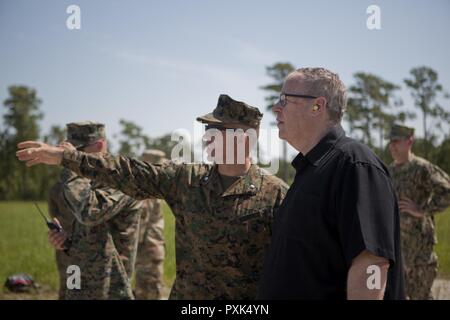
[441, 155]
[164, 143]
[20, 119]
[288, 175]
[22, 113]
[370, 101]
[56, 135]
[278, 72]
[133, 141]
[425, 89]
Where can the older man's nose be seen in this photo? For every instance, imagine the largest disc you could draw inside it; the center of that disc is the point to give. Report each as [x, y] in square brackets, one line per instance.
[277, 107]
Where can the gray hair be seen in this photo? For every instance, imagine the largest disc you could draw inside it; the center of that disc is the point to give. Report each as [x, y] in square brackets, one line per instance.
[321, 82]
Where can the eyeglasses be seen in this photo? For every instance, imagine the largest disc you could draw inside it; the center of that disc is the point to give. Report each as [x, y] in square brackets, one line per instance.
[283, 100]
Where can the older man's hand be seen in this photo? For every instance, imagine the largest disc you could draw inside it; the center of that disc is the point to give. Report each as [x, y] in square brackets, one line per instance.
[34, 152]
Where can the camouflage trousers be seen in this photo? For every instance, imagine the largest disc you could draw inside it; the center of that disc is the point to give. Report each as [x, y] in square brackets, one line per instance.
[150, 259]
[62, 262]
[419, 280]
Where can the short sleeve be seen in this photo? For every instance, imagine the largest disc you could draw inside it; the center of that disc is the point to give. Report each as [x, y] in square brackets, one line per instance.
[367, 213]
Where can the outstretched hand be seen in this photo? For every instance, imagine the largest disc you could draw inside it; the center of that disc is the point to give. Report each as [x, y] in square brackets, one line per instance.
[35, 152]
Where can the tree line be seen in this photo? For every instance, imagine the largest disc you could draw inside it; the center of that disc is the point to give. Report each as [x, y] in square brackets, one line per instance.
[21, 117]
[373, 106]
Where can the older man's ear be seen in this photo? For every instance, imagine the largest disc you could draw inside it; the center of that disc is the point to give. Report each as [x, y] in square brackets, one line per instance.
[319, 106]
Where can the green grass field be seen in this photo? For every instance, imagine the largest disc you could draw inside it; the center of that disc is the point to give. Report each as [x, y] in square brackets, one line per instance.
[443, 246]
[24, 247]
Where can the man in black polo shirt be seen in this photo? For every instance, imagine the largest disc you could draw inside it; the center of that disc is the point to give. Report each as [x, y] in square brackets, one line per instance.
[336, 235]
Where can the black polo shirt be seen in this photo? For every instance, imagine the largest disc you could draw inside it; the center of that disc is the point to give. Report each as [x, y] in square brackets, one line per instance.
[340, 203]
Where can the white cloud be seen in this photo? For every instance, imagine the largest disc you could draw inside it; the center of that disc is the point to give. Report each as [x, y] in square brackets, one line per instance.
[183, 68]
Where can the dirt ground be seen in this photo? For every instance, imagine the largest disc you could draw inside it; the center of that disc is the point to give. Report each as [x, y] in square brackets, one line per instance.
[441, 291]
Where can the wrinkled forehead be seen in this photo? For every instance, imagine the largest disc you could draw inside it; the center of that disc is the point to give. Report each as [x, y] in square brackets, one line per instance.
[231, 130]
[294, 83]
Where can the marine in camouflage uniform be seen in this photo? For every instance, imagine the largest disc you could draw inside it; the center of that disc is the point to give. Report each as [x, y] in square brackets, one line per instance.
[223, 227]
[58, 209]
[105, 229]
[429, 188]
[151, 251]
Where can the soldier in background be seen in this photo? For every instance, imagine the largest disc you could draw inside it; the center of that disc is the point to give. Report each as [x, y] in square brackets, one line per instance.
[59, 210]
[105, 227]
[423, 190]
[151, 251]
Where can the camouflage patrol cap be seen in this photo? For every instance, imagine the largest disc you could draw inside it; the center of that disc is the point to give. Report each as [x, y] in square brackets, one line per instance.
[153, 155]
[400, 132]
[229, 111]
[81, 134]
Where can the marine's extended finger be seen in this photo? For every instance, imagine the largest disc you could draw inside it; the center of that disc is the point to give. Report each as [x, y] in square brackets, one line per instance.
[28, 144]
[33, 162]
[27, 154]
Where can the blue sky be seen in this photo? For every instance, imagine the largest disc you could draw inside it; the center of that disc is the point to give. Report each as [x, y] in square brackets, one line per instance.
[162, 63]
